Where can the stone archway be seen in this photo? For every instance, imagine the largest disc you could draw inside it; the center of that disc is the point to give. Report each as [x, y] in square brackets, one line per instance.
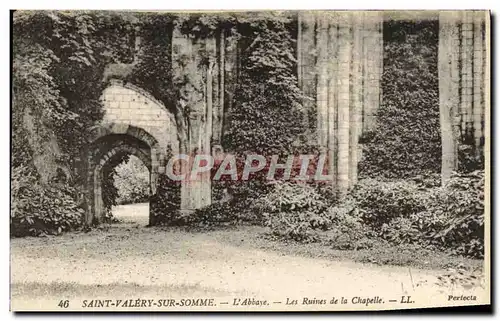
[107, 144]
[111, 159]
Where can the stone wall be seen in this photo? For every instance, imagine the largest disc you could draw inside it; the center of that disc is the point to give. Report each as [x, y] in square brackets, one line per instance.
[128, 104]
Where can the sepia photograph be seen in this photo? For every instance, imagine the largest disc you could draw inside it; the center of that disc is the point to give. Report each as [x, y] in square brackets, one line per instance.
[256, 161]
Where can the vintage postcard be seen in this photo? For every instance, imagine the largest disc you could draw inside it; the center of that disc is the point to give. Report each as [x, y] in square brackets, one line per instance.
[250, 161]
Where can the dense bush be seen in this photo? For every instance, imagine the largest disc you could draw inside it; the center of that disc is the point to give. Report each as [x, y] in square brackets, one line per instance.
[446, 218]
[347, 230]
[462, 199]
[215, 215]
[38, 209]
[165, 209]
[233, 203]
[379, 202]
[295, 211]
[302, 213]
[449, 218]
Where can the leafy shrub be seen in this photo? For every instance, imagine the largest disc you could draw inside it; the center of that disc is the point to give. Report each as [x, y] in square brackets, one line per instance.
[37, 209]
[328, 191]
[301, 213]
[403, 230]
[463, 200]
[295, 211]
[446, 218]
[289, 197]
[215, 215]
[470, 158]
[166, 202]
[109, 192]
[347, 230]
[427, 180]
[131, 179]
[454, 217]
[380, 202]
[235, 203]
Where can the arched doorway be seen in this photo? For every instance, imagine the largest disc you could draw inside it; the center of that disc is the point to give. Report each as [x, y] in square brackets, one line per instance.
[108, 145]
[129, 190]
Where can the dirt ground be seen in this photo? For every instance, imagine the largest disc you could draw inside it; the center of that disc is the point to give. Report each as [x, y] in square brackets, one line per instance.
[129, 260]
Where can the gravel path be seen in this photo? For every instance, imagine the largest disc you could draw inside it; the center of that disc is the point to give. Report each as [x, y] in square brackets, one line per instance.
[130, 260]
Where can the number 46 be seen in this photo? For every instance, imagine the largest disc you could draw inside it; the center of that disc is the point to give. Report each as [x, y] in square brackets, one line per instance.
[63, 304]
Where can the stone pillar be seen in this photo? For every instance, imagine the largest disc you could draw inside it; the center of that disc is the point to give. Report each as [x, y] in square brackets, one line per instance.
[322, 62]
[229, 77]
[98, 203]
[193, 74]
[205, 69]
[449, 43]
[344, 100]
[340, 65]
[372, 66]
[306, 64]
[466, 76]
[332, 97]
[485, 93]
[478, 77]
[356, 90]
[462, 80]
[218, 86]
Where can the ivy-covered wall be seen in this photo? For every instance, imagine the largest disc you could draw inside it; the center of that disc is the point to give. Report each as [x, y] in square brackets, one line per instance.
[59, 60]
[405, 140]
[270, 83]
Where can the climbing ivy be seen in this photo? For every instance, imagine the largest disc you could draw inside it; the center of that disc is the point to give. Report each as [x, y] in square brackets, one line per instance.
[58, 63]
[61, 70]
[153, 68]
[267, 115]
[406, 141]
